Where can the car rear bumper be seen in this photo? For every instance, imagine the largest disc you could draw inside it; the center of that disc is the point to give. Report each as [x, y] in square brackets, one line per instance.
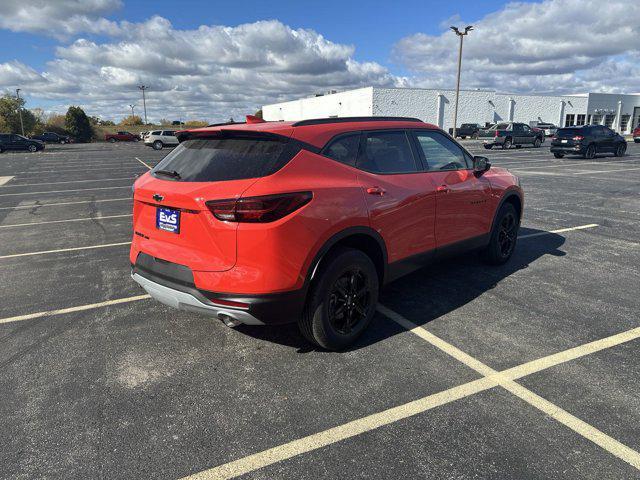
[567, 149]
[172, 285]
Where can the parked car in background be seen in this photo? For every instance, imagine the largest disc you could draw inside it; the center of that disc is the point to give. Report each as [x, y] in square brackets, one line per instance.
[142, 135]
[13, 142]
[549, 129]
[121, 137]
[159, 139]
[636, 134]
[588, 141]
[507, 134]
[52, 137]
[467, 130]
[280, 222]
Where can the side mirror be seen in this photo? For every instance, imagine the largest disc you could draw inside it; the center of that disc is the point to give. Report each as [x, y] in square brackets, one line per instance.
[481, 164]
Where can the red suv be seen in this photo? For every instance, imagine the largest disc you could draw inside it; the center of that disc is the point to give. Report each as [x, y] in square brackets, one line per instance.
[277, 222]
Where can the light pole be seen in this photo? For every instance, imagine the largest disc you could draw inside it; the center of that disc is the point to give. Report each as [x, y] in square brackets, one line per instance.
[132, 107]
[144, 101]
[460, 34]
[20, 111]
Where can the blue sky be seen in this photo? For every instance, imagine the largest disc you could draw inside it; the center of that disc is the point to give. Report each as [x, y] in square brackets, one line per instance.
[213, 60]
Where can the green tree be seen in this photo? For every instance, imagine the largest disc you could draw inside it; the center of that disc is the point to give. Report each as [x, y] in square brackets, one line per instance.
[10, 110]
[131, 120]
[77, 124]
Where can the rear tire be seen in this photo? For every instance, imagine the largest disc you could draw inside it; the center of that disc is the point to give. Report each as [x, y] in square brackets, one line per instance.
[591, 152]
[488, 147]
[558, 155]
[620, 150]
[503, 236]
[507, 144]
[537, 142]
[341, 301]
[112, 140]
[32, 148]
[157, 145]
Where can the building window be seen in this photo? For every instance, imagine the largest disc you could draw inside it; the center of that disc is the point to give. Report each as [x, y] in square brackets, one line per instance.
[588, 119]
[580, 119]
[569, 120]
[608, 120]
[624, 123]
[597, 119]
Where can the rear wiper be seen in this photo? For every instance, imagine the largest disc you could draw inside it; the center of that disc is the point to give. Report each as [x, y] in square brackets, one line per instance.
[168, 173]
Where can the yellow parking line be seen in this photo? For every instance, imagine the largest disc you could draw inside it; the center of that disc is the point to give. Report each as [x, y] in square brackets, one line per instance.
[106, 217]
[80, 308]
[490, 379]
[589, 432]
[60, 250]
[149, 167]
[560, 230]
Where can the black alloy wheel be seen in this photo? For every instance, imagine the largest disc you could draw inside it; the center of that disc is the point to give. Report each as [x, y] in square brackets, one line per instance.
[349, 301]
[32, 148]
[507, 233]
[591, 152]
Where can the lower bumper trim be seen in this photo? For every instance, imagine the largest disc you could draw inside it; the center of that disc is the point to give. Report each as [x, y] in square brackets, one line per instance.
[185, 301]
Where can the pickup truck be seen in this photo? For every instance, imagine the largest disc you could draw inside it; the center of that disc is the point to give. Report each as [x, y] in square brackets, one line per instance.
[465, 130]
[505, 135]
[121, 137]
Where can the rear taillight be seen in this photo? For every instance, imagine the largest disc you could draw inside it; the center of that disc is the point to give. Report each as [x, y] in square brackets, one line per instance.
[497, 134]
[263, 209]
[577, 138]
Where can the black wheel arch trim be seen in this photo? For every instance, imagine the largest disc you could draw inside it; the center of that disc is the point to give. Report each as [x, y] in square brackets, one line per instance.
[508, 195]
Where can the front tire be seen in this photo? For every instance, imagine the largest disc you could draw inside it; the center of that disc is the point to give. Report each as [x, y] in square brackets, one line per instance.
[488, 147]
[112, 140]
[558, 155]
[507, 144]
[537, 142]
[620, 150]
[342, 300]
[503, 236]
[32, 148]
[157, 145]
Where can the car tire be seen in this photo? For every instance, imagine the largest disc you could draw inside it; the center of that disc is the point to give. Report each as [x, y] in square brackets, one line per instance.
[620, 150]
[636, 140]
[157, 145]
[112, 140]
[488, 147]
[474, 136]
[62, 142]
[537, 142]
[348, 281]
[32, 148]
[504, 236]
[590, 152]
[507, 144]
[558, 155]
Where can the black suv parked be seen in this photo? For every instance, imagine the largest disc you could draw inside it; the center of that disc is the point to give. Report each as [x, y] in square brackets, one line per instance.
[11, 141]
[52, 137]
[587, 140]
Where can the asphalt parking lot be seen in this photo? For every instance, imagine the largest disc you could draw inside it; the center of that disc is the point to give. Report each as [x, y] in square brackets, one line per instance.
[529, 370]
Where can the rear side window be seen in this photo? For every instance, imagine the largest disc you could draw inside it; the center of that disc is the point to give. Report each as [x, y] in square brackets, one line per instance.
[221, 159]
[387, 152]
[157, 132]
[440, 153]
[344, 149]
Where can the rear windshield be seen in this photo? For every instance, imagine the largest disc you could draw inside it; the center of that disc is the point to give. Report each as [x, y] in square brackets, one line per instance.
[221, 159]
[569, 132]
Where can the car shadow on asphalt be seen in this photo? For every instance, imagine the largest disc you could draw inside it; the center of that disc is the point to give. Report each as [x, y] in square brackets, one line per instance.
[430, 292]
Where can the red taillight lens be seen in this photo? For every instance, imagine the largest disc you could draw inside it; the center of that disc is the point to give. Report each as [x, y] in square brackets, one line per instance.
[577, 138]
[497, 134]
[263, 209]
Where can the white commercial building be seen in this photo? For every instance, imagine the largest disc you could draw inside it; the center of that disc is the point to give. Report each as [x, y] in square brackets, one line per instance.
[620, 112]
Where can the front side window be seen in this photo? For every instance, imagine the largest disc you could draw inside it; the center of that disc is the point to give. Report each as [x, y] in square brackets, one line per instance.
[387, 152]
[440, 153]
[344, 149]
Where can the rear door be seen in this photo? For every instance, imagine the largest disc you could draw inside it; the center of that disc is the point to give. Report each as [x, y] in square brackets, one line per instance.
[519, 135]
[462, 197]
[528, 134]
[400, 198]
[169, 137]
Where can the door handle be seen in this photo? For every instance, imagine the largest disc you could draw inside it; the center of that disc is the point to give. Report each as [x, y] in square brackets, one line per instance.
[376, 191]
[443, 189]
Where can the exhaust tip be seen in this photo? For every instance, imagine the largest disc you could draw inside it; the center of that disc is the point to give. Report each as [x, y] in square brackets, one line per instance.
[228, 321]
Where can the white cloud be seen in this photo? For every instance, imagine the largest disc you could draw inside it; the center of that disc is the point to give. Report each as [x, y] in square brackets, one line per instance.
[552, 46]
[59, 19]
[211, 72]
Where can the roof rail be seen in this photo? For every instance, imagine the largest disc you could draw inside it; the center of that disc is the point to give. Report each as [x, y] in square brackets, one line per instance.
[225, 123]
[320, 121]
